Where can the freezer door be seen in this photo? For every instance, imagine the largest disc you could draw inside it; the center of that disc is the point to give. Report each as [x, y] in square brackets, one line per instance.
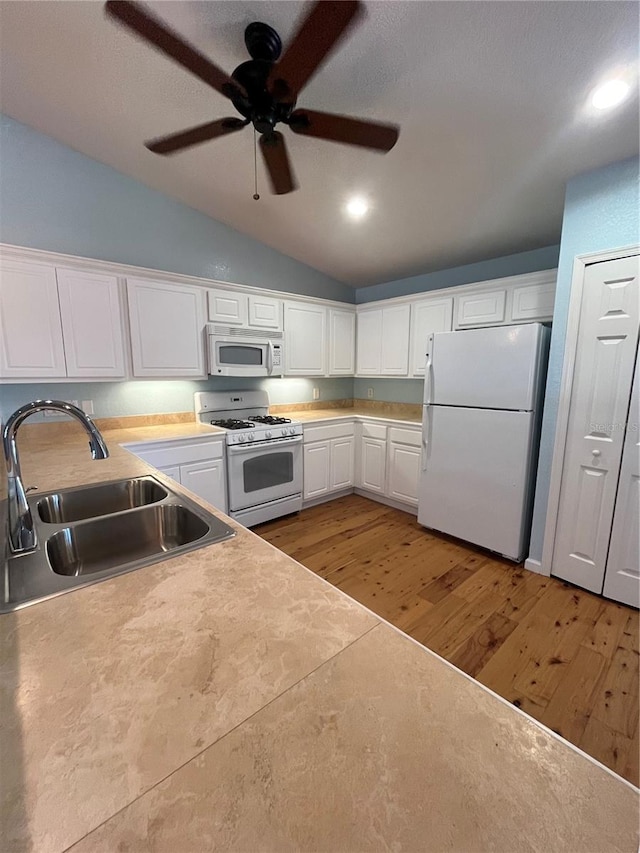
[496, 368]
[476, 477]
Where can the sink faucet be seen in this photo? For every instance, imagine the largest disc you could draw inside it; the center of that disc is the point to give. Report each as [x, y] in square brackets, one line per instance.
[22, 534]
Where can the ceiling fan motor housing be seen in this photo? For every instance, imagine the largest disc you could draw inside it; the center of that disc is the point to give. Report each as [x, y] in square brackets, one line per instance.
[260, 107]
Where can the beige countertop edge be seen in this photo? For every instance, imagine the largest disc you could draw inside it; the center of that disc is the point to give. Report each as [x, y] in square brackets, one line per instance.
[142, 599]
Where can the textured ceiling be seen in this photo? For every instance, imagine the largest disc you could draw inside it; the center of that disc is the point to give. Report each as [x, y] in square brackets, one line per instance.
[490, 97]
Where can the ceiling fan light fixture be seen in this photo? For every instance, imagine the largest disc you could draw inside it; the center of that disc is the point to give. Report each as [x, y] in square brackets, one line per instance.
[357, 207]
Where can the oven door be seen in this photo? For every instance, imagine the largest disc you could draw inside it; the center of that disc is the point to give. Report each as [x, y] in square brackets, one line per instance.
[237, 357]
[264, 472]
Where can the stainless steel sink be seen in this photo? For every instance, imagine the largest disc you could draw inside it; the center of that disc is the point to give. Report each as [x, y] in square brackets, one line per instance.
[134, 523]
[125, 538]
[102, 499]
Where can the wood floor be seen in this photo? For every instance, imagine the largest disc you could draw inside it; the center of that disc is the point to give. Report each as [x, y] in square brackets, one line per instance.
[565, 656]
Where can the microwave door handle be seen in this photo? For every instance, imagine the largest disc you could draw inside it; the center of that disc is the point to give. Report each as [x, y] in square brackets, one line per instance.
[270, 358]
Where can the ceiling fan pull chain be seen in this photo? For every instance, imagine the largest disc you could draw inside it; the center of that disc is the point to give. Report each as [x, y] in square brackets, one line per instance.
[256, 197]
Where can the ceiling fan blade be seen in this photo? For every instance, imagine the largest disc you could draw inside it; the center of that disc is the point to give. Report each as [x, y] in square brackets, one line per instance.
[195, 135]
[134, 16]
[350, 131]
[276, 159]
[326, 24]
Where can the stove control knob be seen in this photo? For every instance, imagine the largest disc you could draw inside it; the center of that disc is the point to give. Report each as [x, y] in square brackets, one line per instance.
[241, 438]
[292, 431]
[283, 431]
[267, 434]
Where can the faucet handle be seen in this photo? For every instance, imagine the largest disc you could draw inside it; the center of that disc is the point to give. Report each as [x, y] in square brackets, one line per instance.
[30, 489]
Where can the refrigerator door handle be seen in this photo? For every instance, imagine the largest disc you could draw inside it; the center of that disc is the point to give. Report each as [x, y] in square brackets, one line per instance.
[426, 438]
[428, 368]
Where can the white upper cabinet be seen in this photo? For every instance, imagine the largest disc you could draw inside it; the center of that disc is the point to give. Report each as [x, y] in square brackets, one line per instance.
[342, 342]
[91, 323]
[427, 317]
[383, 341]
[480, 309]
[166, 329]
[533, 302]
[229, 308]
[31, 331]
[305, 339]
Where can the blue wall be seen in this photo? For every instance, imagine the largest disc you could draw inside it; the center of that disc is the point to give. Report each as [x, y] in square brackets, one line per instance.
[602, 211]
[54, 198]
[524, 262]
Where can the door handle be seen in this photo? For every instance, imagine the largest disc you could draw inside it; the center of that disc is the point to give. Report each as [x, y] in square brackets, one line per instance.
[425, 436]
[270, 358]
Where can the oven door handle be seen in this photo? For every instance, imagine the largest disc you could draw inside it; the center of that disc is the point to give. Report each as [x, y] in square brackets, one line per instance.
[259, 445]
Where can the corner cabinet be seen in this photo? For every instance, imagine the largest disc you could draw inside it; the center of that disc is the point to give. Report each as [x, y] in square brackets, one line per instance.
[167, 323]
[329, 460]
[427, 317]
[342, 342]
[383, 341]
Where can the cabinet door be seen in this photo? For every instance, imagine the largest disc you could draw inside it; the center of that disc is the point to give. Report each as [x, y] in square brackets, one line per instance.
[305, 341]
[404, 472]
[480, 309]
[342, 463]
[265, 312]
[207, 480]
[316, 469]
[372, 464]
[434, 315]
[602, 379]
[342, 339]
[622, 575]
[533, 302]
[91, 323]
[395, 340]
[166, 329]
[369, 342]
[227, 308]
[31, 331]
[172, 471]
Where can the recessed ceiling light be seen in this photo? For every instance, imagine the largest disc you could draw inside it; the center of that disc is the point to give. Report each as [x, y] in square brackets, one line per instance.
[610, 94]
[357, 207]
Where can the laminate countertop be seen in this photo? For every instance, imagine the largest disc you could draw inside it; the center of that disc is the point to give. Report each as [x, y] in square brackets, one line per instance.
[229, 699]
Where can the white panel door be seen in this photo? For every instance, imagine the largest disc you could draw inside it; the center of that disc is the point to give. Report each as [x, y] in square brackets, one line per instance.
[369, 342]
[342, 462]
[305, 339]
[227, 308]
[372, 468]
[480, 309]
[622, 575]
[91, 323]
[207, 480]
[265, 312]
[30, 327]
[432, 315]
[317, 465]
[395, 340]
[342, 340]
[606, 349]
[166, 329]
[404, 472]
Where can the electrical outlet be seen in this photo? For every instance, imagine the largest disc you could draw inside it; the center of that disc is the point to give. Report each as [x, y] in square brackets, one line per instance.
[316, 393]
[87, 407]
[50, 413]
[370, 393]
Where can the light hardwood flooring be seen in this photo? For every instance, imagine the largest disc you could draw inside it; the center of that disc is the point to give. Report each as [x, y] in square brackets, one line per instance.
[565, 656]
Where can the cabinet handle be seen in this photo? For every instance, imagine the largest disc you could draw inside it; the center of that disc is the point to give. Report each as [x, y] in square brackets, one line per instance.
[595, 453]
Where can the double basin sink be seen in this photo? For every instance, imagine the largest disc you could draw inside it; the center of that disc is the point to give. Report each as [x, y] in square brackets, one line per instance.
[92, 533]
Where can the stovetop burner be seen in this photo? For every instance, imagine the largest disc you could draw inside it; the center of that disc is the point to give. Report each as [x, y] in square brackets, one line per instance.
[232, 423]
[270, 420]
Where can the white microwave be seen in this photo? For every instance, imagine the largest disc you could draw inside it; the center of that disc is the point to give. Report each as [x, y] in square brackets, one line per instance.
[243, 352]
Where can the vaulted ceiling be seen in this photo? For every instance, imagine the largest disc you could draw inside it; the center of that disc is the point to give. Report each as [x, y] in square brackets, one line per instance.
[491, 97]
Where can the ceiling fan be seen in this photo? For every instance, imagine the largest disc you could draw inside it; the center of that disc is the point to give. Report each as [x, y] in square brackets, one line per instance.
[265, 88]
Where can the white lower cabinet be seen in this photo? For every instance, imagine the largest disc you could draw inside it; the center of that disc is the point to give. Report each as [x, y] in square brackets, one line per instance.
[404, 464]
[329, 459]
[372, 457]
[196, 463]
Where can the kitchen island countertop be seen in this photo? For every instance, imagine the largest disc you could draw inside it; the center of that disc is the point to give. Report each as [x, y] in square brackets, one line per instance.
[230, 699]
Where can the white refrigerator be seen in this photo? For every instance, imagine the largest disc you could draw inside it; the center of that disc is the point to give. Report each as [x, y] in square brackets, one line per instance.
[483, 396]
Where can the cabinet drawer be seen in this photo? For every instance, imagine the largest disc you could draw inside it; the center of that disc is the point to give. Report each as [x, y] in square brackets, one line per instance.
[370, 430]
[328, 431]
[412, 437]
